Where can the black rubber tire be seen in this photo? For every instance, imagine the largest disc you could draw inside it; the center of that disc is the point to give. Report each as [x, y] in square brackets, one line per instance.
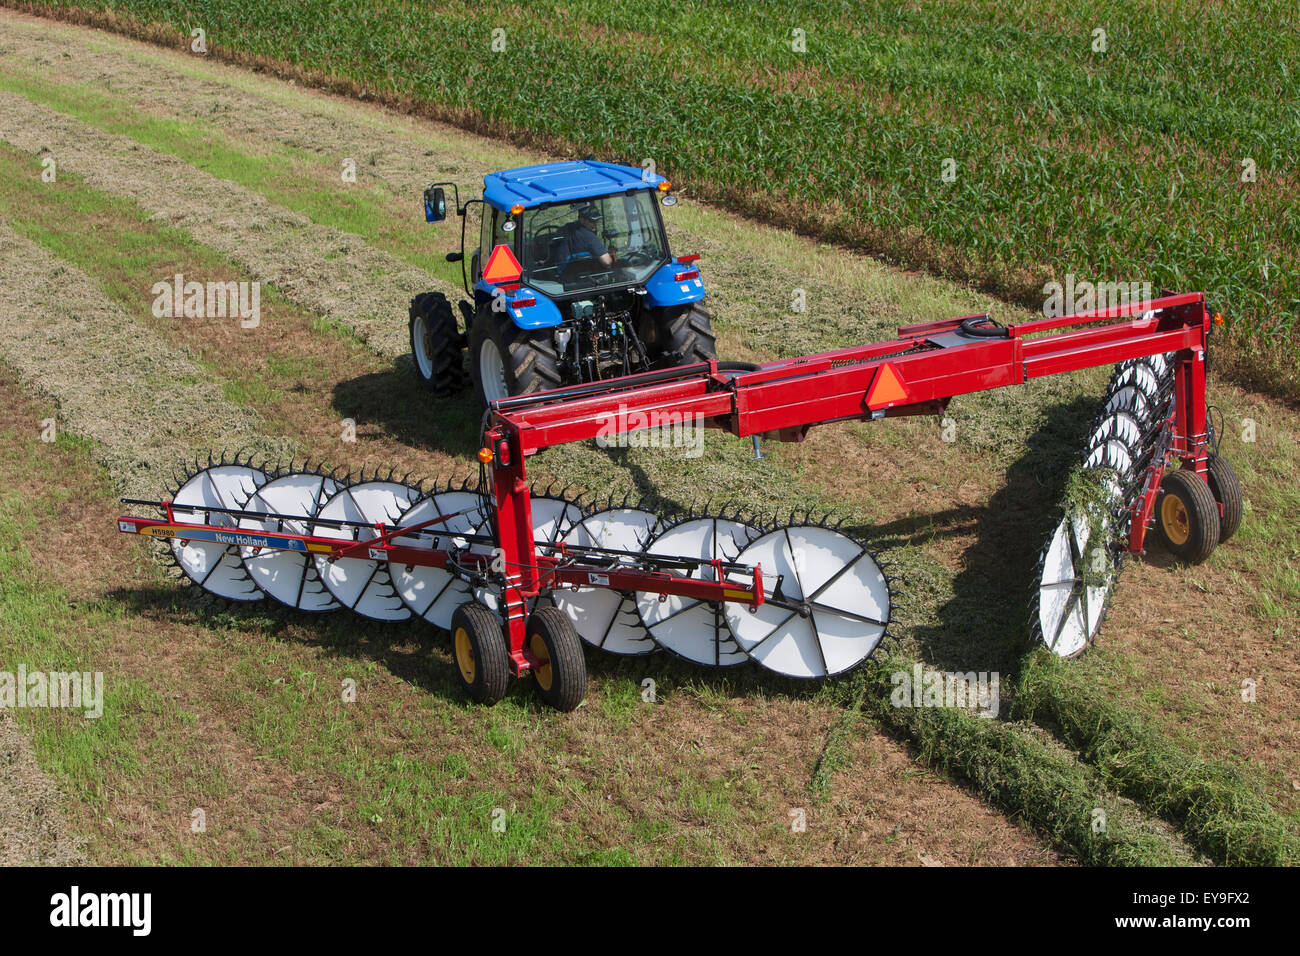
[477, 631]
[1227, 492]
[1193, 534]
[562, 683]
[686, 333]
[531, 360]
[436, 354]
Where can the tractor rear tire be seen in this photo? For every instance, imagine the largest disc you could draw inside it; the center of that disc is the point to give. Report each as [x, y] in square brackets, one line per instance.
[523, 360]
[687, 332]
[1227, 492]
[561, 671]
[436, 344]
[1187, 516]
[479, 648]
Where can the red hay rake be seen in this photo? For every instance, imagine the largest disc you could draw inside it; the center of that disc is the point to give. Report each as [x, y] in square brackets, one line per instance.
[521, 578]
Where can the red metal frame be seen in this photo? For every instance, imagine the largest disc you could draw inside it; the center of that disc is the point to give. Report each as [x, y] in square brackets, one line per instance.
[783, 399]
[915, 374]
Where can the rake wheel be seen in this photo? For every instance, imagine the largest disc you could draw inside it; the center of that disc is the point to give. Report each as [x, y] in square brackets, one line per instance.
[560, 668]
[1227, 492]
[1187, 517]
[482, 663]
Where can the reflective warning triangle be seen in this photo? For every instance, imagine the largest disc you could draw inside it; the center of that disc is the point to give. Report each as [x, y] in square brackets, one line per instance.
[887, 388]
[502, 266]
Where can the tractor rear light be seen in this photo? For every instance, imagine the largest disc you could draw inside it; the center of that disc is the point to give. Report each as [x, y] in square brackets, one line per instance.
[485, 455]
[503, 452]
[514, 287]
[522, 303]
[683, 276]
[687, 260]
[1218, 318]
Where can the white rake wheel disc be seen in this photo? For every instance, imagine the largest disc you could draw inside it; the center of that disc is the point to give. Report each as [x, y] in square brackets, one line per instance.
[844, 595]
[603, 617]
[363, 584]
[213, 566]
[1119, 426]
[288, 576]
[1112, 454]
[553, 518]
[1142, 376]
[1130, 398]
[688, 627]
[435, 593]
[1070, 605]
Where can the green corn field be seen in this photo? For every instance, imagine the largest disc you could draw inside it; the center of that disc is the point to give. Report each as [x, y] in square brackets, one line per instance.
[1004, 144]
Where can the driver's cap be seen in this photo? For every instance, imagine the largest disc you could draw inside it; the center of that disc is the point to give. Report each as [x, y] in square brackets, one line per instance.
[589, 210]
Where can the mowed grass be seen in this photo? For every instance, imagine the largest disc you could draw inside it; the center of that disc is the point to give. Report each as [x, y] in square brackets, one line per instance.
[1007, 764]
[1161, 152]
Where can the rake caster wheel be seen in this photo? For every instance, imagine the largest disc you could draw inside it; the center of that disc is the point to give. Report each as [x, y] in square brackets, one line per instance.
[561, 670]
[480, 651]
[1227, 492]
[1187, 516]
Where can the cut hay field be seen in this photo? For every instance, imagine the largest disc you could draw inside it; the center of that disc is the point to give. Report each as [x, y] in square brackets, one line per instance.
[171, 163]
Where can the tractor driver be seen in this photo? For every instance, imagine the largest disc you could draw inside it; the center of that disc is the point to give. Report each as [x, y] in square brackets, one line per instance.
[580, 240]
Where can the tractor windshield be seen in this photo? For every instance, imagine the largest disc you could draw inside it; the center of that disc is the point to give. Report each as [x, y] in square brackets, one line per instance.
[578, 246]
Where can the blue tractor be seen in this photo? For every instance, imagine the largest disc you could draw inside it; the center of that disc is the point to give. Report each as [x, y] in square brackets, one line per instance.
[572, 281]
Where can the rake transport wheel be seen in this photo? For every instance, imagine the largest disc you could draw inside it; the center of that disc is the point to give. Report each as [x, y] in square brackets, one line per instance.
[480, 651]
[506, 360]
[561, 670]
[1187, 516]
[435, 344]
[1227, 492]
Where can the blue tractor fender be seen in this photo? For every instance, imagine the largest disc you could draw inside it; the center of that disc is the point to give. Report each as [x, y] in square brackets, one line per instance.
[664, 289]
[541, 314]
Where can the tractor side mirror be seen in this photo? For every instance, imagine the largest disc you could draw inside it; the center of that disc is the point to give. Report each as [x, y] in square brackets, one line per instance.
[435, 204]
[455, 256]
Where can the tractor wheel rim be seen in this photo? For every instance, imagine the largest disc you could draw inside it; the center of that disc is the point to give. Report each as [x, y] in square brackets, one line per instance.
[423, 354]
[465, 655]
[545, 676]
[1173, 515]
[492, 372]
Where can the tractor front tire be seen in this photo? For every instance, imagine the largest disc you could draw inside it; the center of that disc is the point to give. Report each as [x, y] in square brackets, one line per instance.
[479, 647]
[506, 360]
[436, 344]
[1187, 516]
[561, 669]
[686, 332]
[1227, 492]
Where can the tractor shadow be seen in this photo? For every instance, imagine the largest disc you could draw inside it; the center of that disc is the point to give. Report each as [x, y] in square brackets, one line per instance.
[396, 404]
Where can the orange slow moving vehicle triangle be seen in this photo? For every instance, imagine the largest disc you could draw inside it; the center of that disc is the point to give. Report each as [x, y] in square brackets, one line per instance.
[502, 266]
[887, 389]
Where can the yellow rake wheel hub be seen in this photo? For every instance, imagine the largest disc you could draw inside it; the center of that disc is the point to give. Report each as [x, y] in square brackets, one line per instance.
[543, 666]
[1174, 518]
[465, 655]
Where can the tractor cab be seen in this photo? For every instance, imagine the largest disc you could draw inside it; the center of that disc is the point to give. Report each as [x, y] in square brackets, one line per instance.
[572, 281]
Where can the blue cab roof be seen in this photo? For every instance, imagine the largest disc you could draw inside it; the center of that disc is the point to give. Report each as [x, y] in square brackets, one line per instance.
[556, 182]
